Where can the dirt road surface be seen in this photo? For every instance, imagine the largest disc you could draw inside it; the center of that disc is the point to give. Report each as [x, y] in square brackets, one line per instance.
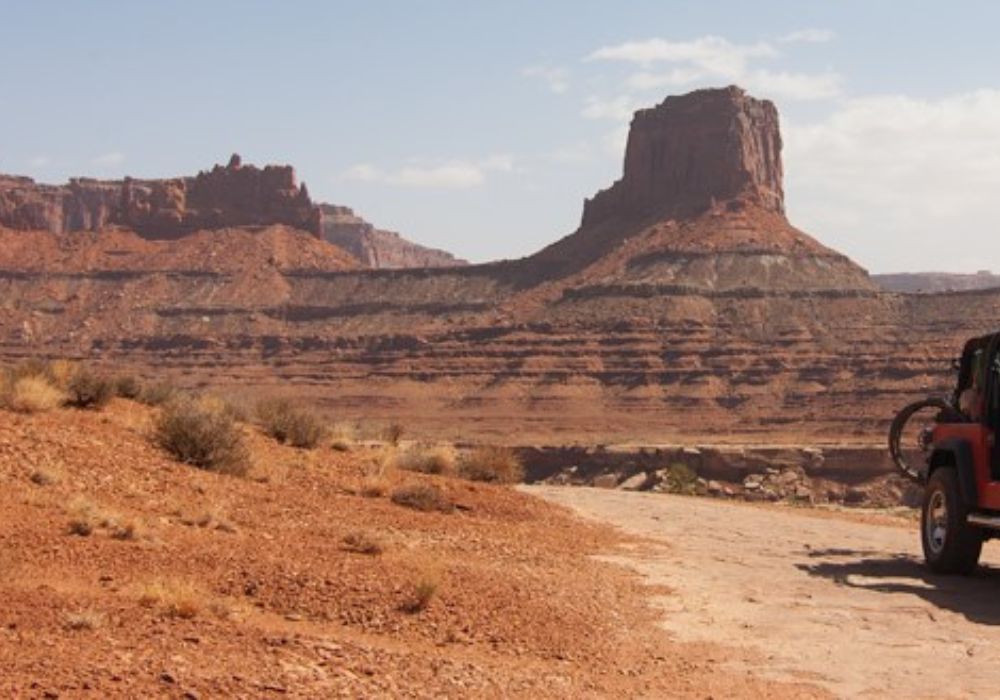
[838, 601]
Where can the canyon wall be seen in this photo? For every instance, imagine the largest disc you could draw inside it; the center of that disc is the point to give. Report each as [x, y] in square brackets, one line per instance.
[686, 308]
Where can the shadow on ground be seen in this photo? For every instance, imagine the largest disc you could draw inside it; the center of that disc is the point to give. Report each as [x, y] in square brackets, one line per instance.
[975, 597]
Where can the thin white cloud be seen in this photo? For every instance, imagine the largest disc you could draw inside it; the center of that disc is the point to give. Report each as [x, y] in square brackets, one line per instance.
[555, 77]
[620, 108]
[714, 60]
[710, 53]
[794, 86]
[456, 174]
[808, 36]
[39, 161]
[897, 181]
[109, 159]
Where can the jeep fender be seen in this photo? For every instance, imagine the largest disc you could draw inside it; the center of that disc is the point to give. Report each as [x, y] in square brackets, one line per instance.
[958, 454]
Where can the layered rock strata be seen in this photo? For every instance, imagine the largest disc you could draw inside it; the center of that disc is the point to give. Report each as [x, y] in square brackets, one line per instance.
[223, 197]
[376, 248]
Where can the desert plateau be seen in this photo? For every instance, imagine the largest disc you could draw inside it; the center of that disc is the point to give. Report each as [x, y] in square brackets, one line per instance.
[307, 390]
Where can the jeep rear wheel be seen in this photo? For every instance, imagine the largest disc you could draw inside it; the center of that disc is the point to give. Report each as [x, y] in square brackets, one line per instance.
[951, 545]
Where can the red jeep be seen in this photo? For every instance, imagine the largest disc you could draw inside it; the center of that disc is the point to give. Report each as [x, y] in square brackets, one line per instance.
[957, 460]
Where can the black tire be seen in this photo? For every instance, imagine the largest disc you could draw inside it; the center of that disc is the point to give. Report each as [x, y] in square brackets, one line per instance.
[955, 547]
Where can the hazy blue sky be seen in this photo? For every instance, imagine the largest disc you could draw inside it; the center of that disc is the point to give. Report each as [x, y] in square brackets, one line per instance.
[481, 127]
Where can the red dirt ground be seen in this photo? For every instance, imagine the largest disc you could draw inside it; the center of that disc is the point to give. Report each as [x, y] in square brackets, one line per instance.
[263, 600]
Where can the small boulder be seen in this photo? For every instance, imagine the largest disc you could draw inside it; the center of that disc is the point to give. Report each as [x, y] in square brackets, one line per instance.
[605, 481]
[636, 482]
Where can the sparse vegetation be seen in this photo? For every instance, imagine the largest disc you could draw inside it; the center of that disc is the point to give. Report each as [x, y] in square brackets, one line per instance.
[424, 587]
[45, 475]
[86, 389]
[158, 394]
[84, 620]
[680, 478]
[362, 543]
[424, 497]
[426, 460]
[202, 434]
[291, 424]
[86, 517]
[393, 433]
[175, 598]
[495, 464]
[341, 445]
[127, 386]
[31, 394]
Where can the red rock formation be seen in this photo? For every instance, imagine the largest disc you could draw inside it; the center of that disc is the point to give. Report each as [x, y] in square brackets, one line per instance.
[691, 151]
[234, 195]
[376, 248]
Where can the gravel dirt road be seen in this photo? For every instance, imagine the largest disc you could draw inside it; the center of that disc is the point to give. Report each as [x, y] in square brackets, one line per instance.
[840, 600]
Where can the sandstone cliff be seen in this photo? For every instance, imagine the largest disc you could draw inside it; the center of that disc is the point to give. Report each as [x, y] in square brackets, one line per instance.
[376, 248]
[686, 307]
[234, 195]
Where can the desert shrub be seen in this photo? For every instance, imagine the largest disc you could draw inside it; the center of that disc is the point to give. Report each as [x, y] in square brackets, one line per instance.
[158, 394]
[30, 394]
[288, 423]
[680, 478]
[127, 386]
[393, 433]
[89, 390]
[175, 598]
[200, 434]
[426, 460]
[85, 620]
[362, 543]
[423, 497]
[497, 464]
[424, 586]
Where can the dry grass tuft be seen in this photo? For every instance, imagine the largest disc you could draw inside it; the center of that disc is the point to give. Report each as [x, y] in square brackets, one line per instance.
[86, 518]
[427, 460]
[290, 424]
[84, 620]
[202, 434]
[159, 394]
[31, 394]
[128, 386]
[494, 464]
[175, 598]
[423, 497]
[362, 543]
[424, 586]
[393, 433]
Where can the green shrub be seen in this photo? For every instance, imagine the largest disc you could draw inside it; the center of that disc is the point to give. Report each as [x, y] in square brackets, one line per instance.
[496, 464]
[198, 433]
[680, 478]
[287, 423]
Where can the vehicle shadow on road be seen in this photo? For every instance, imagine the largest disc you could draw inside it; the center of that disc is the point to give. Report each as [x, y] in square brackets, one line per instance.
[974, 597]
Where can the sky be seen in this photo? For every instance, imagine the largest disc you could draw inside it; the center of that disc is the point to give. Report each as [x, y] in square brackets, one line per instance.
[480, 127]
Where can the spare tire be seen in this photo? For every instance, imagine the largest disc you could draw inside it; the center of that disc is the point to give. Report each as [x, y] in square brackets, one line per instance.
[946, 412]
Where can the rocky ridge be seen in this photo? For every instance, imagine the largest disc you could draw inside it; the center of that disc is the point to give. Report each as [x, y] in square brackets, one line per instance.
[223, 197]
[376, 248]
[671, 315]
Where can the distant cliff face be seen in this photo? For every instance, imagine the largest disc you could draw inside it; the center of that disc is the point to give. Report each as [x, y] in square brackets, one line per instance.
[376, 248]
[934, 282]
[234, 195]
[691, 151]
